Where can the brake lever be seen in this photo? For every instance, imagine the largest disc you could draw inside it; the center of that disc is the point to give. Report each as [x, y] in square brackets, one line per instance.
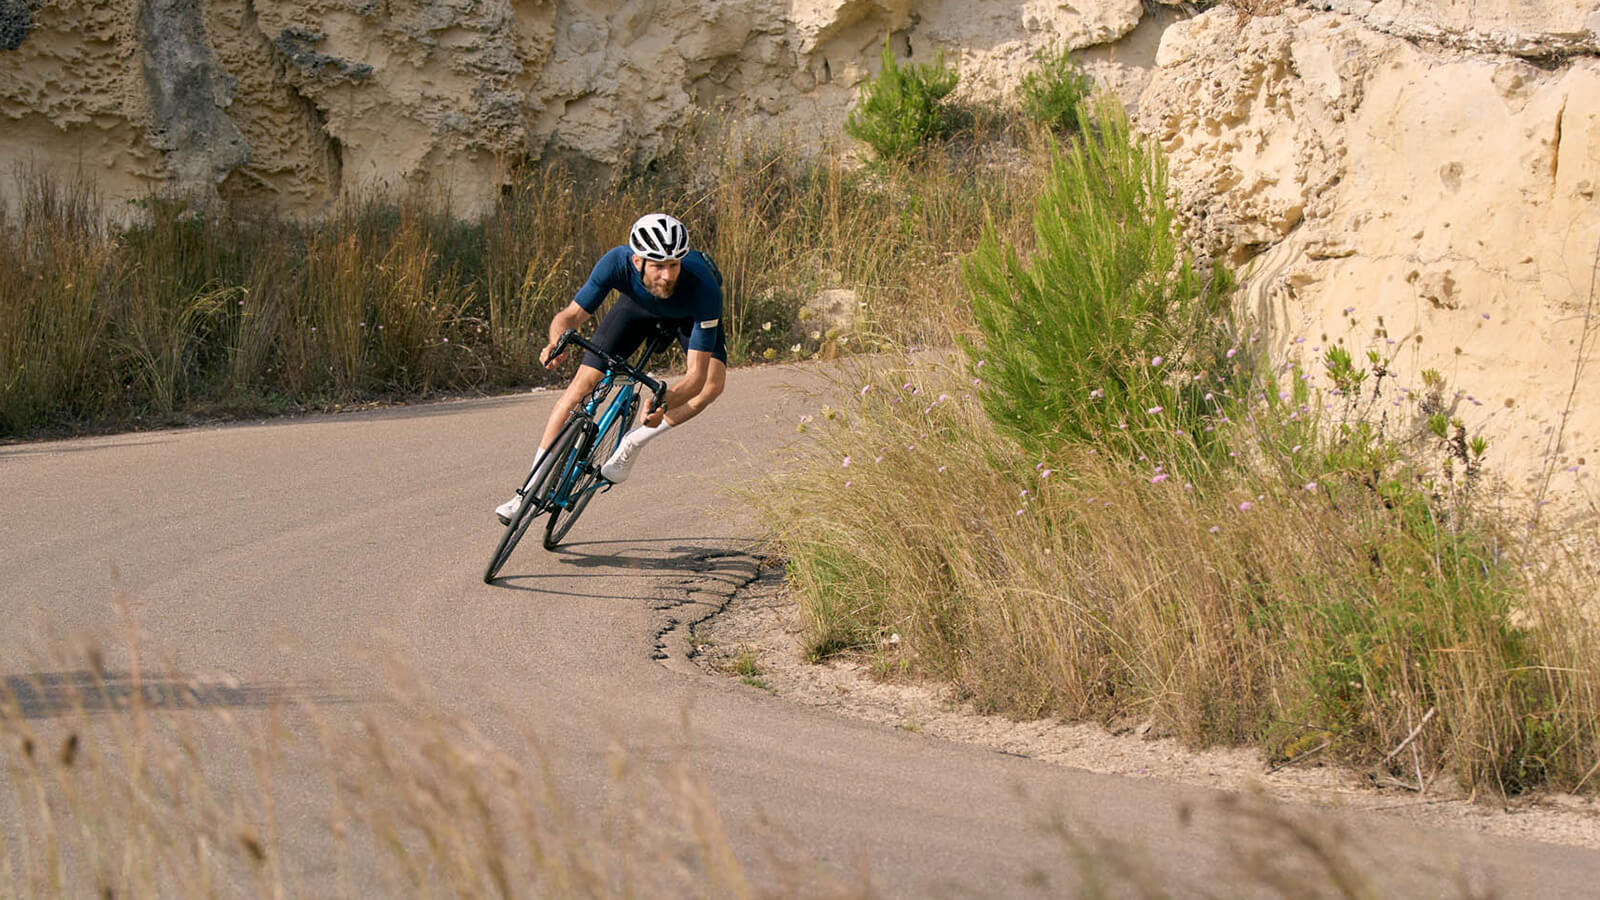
[561, 346]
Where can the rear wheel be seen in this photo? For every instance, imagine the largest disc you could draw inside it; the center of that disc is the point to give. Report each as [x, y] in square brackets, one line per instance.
[577, 499]
[535, 498]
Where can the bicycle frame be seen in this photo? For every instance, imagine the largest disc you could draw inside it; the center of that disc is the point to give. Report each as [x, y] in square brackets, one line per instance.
[564, 492]
[631, 376]
[572, 468]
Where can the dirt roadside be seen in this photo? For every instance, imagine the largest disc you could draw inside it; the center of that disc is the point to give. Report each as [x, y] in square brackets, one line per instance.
[755, 640]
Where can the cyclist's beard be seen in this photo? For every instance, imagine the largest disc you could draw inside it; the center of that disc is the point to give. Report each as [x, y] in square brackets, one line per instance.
[658, 289]
[661, 290]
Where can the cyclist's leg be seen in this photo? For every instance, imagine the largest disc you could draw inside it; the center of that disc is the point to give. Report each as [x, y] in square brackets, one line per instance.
[709, 369]
[622, 329]
[582, 385]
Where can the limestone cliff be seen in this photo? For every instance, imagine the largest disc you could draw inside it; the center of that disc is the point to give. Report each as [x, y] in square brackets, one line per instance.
[286, 106]
[1406, 197]
[1416, 178]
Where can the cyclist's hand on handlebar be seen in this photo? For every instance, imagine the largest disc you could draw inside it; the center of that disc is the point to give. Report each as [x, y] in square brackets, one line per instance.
[653, 417]
[549, 361]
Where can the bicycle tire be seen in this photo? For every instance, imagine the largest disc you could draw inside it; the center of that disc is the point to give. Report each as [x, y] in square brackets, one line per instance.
[582, 490]
[571, 472]
[534, 499]
[550, 482]
[520, 521]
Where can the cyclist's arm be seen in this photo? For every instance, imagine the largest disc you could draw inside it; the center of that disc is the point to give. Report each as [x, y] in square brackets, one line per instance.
[571, 317]
[687, 388]
[694, 378]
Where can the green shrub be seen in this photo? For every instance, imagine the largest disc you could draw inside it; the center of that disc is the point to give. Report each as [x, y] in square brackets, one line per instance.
[1052, 93]
[901, 109]
[1106, 510]
[1093, 338]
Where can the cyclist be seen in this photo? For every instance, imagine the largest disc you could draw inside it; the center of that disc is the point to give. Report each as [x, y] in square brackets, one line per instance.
[658, 279]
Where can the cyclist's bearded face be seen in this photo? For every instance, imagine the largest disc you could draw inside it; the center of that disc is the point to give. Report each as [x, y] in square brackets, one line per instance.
[660, 278]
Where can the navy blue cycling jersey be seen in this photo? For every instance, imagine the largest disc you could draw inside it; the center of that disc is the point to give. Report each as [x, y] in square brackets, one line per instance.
[697, 297]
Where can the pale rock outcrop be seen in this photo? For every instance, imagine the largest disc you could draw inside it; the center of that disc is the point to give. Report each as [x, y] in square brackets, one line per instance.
[1415, 178]
[1519, 27]
[270, 105]
[1433, 206]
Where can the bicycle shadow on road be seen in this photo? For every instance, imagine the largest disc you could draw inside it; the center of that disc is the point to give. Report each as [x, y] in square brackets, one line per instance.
[698, 564]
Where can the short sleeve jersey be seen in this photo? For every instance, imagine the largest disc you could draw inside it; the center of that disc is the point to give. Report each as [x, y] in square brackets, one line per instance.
[697, 297]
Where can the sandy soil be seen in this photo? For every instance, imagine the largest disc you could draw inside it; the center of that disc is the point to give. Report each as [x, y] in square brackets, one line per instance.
[755, 639]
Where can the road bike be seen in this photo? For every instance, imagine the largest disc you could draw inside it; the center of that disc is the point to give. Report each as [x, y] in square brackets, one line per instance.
[572, 477]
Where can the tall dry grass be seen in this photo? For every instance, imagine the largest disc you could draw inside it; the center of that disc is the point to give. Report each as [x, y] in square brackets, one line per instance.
[1256, 608]
[152, 783]
[1108, 507]
[389, 297]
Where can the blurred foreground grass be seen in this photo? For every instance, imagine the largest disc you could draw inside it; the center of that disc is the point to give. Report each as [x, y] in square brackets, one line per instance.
[112, 791]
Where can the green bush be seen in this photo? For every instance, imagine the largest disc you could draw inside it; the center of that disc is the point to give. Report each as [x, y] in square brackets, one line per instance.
[1094, 337]
[901, 109]
[1052, 93]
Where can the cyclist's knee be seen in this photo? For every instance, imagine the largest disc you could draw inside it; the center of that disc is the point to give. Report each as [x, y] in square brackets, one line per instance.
[583, 381]
[711, 390]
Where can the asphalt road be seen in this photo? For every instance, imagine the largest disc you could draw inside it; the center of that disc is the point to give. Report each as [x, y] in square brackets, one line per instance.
[281, 554]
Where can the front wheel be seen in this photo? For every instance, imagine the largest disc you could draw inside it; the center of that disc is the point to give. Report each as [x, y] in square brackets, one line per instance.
[566, 493]
[537, 496]
[564, 516]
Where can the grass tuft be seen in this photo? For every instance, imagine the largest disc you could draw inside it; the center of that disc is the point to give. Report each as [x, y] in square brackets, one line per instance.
[1107, 507]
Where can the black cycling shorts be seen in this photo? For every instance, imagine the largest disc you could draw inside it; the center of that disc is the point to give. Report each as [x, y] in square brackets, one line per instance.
[627, 324]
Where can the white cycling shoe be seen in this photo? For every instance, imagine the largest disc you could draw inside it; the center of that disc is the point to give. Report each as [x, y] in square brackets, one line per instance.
[617, 467]
[506, 510]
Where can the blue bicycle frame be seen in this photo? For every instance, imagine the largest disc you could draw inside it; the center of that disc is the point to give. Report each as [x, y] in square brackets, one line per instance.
[571, 492]
[574, 478]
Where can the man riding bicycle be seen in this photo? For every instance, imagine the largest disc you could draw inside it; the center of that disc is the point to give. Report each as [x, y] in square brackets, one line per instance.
[660, 281]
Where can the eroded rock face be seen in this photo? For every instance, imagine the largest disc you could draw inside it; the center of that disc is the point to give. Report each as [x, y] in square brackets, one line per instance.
[1434, 206]
[1413, 178]
[1517, 27]
[280, 106]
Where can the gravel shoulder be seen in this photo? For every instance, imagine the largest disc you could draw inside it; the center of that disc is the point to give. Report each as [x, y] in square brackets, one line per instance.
[755, 639]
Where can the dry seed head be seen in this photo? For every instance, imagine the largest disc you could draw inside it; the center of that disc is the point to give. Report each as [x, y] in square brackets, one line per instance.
[252, 846]
[69, 750]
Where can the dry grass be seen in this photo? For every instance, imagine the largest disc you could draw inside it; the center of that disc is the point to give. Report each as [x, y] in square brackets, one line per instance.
[149, 783]
[1109, 507]
[131, 785]
[1253, 607]
[388, 297]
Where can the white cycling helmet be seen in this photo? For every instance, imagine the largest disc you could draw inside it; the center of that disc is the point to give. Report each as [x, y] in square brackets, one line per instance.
[659, 236]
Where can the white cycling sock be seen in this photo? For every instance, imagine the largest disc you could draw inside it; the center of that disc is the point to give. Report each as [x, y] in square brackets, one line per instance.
[537, 459]
[644, 433]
